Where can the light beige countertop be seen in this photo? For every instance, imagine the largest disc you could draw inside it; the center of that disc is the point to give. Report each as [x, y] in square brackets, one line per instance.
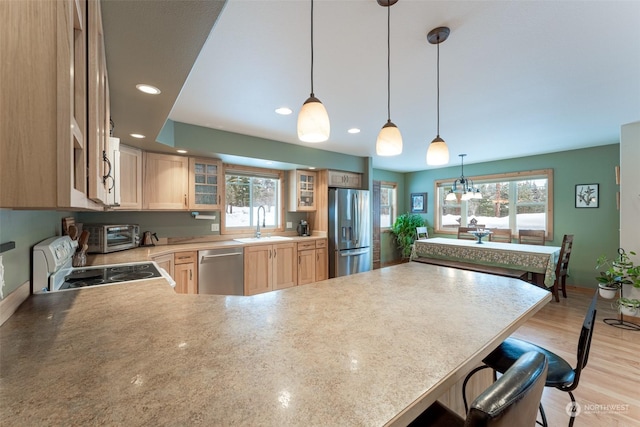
[363, 350]
[147, 252]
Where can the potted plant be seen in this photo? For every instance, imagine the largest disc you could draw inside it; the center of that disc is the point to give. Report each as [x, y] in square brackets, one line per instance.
[404, 230]
[628, 307]
[615, 275]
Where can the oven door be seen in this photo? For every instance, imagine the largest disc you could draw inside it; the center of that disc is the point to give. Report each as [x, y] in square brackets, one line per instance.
[120, 237]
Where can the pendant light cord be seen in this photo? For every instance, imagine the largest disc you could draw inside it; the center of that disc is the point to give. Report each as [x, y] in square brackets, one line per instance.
[312, 49]
[438, 88]
[389, 63]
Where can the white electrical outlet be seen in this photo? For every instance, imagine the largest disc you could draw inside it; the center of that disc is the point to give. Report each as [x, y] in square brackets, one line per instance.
[289, 225]
[215, 227]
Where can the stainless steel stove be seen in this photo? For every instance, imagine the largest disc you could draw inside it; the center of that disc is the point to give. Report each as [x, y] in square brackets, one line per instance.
[52, 269]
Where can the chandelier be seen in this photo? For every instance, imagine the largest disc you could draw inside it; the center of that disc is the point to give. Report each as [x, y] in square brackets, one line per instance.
[463, 186]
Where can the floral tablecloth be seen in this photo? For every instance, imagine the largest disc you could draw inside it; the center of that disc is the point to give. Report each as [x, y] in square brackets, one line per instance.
[533, 258]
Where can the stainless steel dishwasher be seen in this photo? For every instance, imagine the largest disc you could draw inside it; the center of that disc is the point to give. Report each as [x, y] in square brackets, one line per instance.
[221, 271]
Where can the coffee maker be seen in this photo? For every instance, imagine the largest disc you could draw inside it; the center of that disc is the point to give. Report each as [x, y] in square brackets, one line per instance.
[303, 228]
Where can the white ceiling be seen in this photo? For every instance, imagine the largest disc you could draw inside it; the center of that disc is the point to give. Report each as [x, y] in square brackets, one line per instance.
[516, 77]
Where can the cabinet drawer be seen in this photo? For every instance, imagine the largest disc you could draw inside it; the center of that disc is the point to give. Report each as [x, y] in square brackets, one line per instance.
[306, 245]
[185, 257]
[322, 243]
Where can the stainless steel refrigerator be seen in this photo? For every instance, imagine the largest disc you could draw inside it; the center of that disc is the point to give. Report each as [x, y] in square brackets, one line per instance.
[349, 232]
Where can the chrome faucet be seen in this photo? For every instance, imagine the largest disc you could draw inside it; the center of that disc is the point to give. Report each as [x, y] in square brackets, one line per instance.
[258, 220]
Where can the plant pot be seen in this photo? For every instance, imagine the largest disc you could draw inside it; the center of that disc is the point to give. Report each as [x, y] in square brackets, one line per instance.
[628, 291]
[607, 292]
[628, 310]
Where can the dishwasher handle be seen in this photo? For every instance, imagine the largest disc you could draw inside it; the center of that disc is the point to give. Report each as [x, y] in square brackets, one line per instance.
[221, 255]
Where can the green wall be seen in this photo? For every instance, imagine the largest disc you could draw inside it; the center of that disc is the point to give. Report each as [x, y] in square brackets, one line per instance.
[25, 228]
[595, 230]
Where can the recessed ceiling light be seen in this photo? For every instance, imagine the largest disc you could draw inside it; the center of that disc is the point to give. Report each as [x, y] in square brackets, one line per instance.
[181, 151]
[137, 135]
[354, 130]
[284, 111]
[269, 162]
[152, 90]
[312, 167]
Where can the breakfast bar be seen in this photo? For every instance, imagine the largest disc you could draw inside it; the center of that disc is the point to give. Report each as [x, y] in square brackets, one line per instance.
[370, 349]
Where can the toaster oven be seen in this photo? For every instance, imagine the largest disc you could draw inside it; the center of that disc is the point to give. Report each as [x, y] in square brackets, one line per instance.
[105, 238]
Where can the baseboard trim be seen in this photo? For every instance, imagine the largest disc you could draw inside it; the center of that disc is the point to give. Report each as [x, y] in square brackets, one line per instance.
[10, 304]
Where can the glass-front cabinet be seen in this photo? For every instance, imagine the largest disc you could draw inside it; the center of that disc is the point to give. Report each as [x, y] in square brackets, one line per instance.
[302, 191]
[205, 183]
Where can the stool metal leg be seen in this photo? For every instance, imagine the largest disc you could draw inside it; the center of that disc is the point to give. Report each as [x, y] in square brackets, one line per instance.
[466, 380]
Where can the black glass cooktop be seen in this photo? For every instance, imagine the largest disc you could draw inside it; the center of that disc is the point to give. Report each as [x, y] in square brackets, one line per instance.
[81, 278]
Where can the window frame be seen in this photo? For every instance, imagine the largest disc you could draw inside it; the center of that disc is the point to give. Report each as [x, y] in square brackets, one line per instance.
[254, 172]
[394, 205]
[508, 176]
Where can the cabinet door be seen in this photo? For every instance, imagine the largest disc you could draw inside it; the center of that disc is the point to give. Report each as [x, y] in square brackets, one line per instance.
[345, 179]
[302, 191]
[322, 264]
[185, 277]
[205, 183]
[130, 178]
[306, 266]
[258, 269]
[165, 182]
[284, 267]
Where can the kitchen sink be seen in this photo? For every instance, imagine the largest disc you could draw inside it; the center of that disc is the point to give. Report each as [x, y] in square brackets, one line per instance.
[262, 239]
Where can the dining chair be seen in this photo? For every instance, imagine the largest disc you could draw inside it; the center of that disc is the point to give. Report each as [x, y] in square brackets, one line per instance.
[513, 400]
[531, 237]
[563, 267]
[502, 235]
[422, 233]
[560, 376]
[463, 233]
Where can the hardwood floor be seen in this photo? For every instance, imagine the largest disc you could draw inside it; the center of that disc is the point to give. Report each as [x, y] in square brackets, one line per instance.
[609, 390]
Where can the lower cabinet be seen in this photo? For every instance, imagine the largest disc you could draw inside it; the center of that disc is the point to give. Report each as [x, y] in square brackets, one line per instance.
[269, 267]
[312, 261]
[186, 273]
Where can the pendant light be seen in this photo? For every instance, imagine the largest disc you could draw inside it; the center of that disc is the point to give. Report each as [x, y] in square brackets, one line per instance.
[389, 142]
[438, 152]
[464, 186]
[313, 120]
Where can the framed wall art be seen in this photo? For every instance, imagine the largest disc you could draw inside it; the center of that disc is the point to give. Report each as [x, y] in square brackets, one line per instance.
[418, 202]
[587, 195]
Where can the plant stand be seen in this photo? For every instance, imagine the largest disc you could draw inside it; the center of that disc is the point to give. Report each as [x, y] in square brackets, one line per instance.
[620, 322]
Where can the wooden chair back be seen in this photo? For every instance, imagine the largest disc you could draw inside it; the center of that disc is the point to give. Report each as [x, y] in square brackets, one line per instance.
[562, 267]
[531, 237]
[502, 235]
[463, 233]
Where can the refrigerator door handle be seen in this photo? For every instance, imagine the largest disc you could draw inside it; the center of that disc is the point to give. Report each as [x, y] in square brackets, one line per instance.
[356, 218]
[353, 253]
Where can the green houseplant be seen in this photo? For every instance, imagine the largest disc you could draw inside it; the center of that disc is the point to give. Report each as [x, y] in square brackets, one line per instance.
[615, 274]
[404, 230]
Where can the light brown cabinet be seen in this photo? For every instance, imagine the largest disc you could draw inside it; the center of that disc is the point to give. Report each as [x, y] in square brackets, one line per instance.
[269, 267]
[302, 191]
[45, 140]
[130, 178]
[205, 183]
[186, 274]
[312, 261]
[166, 262]
[345, 179]
[166, 181]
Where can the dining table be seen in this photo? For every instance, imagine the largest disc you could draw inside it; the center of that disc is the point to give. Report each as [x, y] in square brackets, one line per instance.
[539, 260]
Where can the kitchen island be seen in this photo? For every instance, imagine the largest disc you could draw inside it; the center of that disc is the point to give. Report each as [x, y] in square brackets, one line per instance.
[370, 349]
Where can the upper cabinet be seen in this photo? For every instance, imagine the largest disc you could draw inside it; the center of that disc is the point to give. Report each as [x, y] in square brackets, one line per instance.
[345, 179]
[302, 191]
[205, 183]
[130, 178]
[166, 182]
[44, 137]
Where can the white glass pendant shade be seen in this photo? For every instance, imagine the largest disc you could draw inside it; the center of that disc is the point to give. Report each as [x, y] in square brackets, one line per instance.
[389, 142]
[466, 196]
[477, 195]
[313, 121]
[451, 196]
[438, 152]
